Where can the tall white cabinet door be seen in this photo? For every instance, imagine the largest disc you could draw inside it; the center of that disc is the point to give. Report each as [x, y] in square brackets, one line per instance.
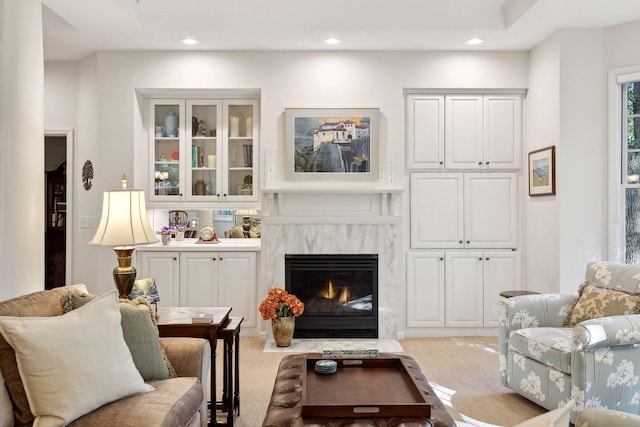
[164, 267]
[501, 272]
[491, 210]
[425, 132]
[463, 131]
[237, 284]
[425, 289]
[198, 279]
[437, 210]
[502, 131]
[464, 289]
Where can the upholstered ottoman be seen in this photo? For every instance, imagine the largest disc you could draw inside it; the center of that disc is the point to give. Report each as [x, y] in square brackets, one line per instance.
[285, 405]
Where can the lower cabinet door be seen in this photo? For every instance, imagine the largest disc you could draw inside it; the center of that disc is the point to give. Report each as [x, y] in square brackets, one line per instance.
[464, 289]
[164, 267]
[425, 289]
[237, 282]
[199, 279]
[501, 273]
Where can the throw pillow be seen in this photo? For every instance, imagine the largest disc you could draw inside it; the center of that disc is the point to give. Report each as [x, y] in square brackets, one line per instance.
[597, 302]
[556, 418]
[140, 333]
[82, 353]
[141, 336]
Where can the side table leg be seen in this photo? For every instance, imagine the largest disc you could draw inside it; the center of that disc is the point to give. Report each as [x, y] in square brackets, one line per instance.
[236, 395]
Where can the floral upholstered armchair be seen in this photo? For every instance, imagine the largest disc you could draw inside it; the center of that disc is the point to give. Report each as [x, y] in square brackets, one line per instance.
[583, 348]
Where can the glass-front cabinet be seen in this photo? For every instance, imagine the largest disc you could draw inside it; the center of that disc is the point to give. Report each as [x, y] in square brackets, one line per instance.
[203, 150]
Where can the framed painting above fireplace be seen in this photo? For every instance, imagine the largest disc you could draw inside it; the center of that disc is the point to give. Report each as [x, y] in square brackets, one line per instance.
[332, 144]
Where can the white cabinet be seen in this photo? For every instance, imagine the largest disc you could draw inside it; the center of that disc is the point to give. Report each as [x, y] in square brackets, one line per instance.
[464, 210]
[464, 131]
[425, 131]
[164, 267]
[212, 157]
[425, 289]
[474, 280]
[204, 279]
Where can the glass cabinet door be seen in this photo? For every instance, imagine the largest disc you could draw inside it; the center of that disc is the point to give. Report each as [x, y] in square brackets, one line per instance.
[203, 143]
[166, 117]
[241, 125]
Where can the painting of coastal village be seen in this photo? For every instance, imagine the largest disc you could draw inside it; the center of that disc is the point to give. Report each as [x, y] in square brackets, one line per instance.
[332, 144]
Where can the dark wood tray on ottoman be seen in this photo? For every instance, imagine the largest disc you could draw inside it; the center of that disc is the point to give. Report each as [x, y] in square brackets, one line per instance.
[380, 387]
[285, 406]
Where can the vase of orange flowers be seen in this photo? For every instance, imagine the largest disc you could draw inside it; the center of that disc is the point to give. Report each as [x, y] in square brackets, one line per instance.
[281, 308]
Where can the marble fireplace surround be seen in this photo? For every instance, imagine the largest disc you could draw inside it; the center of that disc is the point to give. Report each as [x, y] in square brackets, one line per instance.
[364, 227]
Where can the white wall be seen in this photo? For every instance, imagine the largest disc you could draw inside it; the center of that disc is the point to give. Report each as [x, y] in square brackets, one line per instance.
[565, 108]
[107, 118]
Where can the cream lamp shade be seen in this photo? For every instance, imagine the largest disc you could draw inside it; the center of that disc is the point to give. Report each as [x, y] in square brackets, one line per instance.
[124, 220]
[124, 224]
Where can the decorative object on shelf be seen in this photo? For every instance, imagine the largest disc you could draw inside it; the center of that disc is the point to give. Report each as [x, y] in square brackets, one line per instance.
[87, 175]
[194, 126]
[124, 224]
[542, 172]
[159, 131]
[166, 238]
[234, 127]
[202, 128]
[249, 127]
[208, 233]
[174, 155]
[211, 161]
[247, 185]
[171, 124]
[281, 308]
[332, 144]
[246, 220]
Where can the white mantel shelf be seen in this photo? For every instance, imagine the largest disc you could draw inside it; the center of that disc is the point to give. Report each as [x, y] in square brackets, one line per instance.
[344, 204]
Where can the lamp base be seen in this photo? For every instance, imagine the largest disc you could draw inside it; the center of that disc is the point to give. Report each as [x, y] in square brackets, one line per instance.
[124, 274]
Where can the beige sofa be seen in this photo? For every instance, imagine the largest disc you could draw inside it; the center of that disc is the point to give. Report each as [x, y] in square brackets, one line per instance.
[176, 401]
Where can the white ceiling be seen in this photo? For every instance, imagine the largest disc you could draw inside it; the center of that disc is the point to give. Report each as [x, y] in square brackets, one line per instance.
[74, 29]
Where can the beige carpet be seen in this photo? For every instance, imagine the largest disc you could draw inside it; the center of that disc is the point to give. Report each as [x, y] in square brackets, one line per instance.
[463, 371]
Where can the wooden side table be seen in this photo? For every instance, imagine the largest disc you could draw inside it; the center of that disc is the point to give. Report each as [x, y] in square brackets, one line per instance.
[511, 294]
[230, 333]
[176, 322]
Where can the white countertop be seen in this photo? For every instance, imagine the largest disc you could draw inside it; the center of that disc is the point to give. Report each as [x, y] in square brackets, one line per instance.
[251, 245]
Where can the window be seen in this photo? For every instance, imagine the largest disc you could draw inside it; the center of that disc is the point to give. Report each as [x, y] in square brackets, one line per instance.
[630, 167]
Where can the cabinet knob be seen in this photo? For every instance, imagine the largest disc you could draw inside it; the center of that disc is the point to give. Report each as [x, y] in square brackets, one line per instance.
[441, 259]
[486, 163]
[480, 163]
[224, 195]
[221, 258]
[441, 163]
[218, 195]
[175, 259]
[468, 241]
[486, 259]
[214, 258]
[480, 259]
[460, 242]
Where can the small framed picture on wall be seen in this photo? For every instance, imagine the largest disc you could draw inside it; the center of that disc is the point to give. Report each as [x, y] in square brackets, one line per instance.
[542, 172]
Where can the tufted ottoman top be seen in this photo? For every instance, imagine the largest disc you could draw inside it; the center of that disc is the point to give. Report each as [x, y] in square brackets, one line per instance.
[285, 405]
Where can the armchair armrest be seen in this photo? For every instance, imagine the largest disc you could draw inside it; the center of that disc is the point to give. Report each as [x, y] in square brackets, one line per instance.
[607, 332]
[190, 357]
[529, 311]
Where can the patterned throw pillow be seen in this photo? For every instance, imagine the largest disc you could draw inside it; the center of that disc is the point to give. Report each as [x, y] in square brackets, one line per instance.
[597, 302]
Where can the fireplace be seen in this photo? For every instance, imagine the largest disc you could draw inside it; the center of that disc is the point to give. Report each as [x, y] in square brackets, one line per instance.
[340, 293]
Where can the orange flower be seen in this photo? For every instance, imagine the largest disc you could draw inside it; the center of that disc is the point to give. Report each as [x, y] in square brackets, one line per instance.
[280, 303]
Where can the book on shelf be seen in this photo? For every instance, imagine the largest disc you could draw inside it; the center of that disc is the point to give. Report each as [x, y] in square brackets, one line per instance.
[202, 318]
[247, 150]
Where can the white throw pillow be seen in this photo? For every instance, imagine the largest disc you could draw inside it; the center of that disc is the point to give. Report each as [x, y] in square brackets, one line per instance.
[6, 410]
[556, 418]
[74, 363]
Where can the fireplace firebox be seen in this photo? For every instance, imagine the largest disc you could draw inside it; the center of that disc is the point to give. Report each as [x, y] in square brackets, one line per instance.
[340, 293]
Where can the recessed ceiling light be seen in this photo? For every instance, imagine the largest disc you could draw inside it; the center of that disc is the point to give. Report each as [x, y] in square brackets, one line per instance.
[474, 41]
[189, 41]
[332, 40]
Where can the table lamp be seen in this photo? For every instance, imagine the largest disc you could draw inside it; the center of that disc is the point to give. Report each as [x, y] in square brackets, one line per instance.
[124, 224]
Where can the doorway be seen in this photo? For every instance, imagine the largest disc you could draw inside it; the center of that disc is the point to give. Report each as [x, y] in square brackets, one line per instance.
[58, 149]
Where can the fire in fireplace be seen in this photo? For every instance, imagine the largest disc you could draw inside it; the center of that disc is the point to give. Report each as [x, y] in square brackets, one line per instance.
[340, 293]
